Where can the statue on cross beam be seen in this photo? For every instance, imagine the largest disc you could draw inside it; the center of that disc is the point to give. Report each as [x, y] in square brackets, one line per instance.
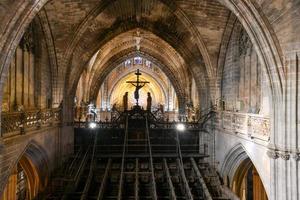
[138, 85]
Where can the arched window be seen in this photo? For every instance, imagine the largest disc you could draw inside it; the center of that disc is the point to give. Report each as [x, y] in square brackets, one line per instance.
[22, 186]
[148, 63]
[138, 61]
[127, 63]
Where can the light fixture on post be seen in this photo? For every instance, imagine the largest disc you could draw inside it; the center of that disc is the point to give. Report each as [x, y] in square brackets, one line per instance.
[180, 127]
[92, 125]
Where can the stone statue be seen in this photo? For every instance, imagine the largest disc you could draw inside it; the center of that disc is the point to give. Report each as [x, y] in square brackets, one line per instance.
[149, 101]
[125, 101]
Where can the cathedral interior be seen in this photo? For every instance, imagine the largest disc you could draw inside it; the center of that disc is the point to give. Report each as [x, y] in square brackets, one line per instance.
[150, 99]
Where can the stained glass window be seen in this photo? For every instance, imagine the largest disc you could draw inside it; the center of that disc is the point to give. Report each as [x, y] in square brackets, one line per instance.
[138, 61]
[21, 184]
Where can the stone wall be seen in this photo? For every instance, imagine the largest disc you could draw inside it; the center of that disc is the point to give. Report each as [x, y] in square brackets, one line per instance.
[273, 27]
[244, 80]
[244, 90]
[255, 150]
[277, 159]
[29, 78]
[56, 142]
[284, 17]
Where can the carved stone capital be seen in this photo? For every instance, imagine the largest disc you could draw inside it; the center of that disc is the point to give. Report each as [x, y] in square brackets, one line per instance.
[284, 155]
[273, 154]
[296, 156]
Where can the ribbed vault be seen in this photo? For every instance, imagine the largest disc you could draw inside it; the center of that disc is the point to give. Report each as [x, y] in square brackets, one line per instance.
[123, 46]
[188, 40]
[168, 60]
[162, 24]
[198, 25]
[193, 28]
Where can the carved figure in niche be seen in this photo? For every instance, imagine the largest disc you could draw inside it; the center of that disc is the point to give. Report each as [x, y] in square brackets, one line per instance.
[125, 101]
[20, 108]
[190, 111]
[149, 101]
[5, 107]
[161, 108]
[114, 112]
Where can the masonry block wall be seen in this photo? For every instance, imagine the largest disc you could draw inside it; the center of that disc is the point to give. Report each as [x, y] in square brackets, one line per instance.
[244, 80]
[57, 143]
[244, 89]
[284, 17]
[28, 85]
[277, 160]
[264, 79]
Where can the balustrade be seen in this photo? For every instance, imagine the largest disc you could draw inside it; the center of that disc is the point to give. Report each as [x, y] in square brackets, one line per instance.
[252, 125]
[17, 123]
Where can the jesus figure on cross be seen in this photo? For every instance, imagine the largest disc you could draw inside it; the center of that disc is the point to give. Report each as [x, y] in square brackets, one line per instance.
[138, 85]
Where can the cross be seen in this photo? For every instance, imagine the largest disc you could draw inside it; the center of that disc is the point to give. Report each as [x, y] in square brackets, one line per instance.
[138, 85]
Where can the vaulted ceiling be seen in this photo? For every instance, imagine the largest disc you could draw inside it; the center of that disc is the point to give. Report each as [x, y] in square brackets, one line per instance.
[183, 37]
[197, 30]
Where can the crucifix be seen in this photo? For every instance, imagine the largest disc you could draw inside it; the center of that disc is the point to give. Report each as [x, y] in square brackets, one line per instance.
[138, 85]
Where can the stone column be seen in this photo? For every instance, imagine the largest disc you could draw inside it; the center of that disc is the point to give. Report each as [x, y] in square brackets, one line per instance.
[19, 76]
[31, 81]
[12, 74]
[25, 88]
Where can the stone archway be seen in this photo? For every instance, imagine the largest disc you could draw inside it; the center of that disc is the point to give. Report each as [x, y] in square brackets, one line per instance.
[271, 52]
[241, 175]
[253, 21]
[247, 184]
[158, 82]
[29, 176]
